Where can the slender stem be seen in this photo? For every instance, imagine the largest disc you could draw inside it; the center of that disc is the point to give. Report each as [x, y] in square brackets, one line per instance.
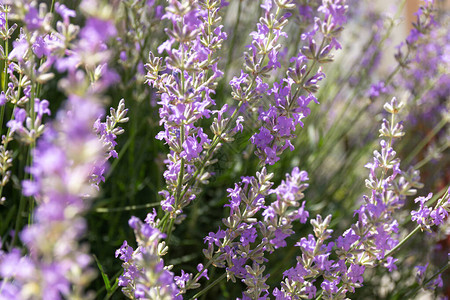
[52, 6]
[300, 87]
[38, 86]
[5, 75]
[210, 151]
[19, 213]
[440, 271]
[207, 288]
[319, 297]
[169, 230]
[233, 40]
[7, 139]
[32, 146]
[2, 114]
[31, 198]
[424, 161]
[102, 210]
[426, 140]
[410, 235]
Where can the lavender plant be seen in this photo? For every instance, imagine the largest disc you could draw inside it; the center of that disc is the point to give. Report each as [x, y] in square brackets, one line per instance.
[216, 91]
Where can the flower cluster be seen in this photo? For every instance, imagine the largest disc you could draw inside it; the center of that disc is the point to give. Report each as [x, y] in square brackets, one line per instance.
[63, 161]
[292, 95]
[188, 80]
[108, 132]
[426, 78]
[56, 264]
[241, 247]
[431, 284]
[366, 243]
[263, 55]
[426, 216]
[205, 103]
[298, 280]
[145, 276]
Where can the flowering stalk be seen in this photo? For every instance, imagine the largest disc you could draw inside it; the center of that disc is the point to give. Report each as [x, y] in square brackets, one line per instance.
[372, 232]
[241, 247]
[56, 265]
[5, 32]
[279, 121]
[108, 132]
[253, 87]
[145, 276]
[264, 44]
[367, 241]
[337, 133]
[186, 93]
[431, 283]
[5, 155]
[426, 217]
[38, 40]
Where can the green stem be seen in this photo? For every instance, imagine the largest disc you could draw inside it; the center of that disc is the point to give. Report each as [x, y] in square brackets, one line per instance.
[207, 288]
[424, 161]
[52, 6]
[426, 140]
[5, 145]
[233, 40]
[411, 293]
[5, 75]
[30, 152]
[38, 86]
[410, 235]
[102, 210]
[19, 213]
[319, 297]
[169, 230]
[31, 198]
[2, 114]
[210, 151]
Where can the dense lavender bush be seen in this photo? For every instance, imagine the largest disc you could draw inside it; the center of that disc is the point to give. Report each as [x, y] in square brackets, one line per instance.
[268, 151]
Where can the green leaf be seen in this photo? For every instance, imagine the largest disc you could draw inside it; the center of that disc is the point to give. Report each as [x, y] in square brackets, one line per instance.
[104, 276]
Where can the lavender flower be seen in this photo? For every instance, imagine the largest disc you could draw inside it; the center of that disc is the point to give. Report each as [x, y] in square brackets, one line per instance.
[367, 241]
[426, 217]
[290, 106]
[425, 77]
[56, 265]
[24, 75]
[186, 90]
[242, 245]
[282, 69]
[61, 180]
[145, 276]
[108, 132]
